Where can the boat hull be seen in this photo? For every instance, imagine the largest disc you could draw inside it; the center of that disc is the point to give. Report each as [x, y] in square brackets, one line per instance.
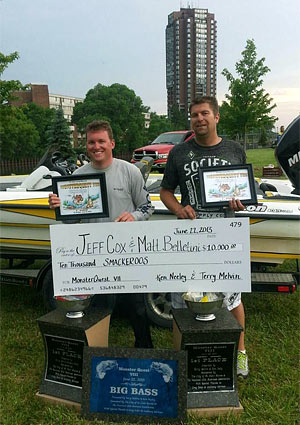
[24, 226]
[26, 217]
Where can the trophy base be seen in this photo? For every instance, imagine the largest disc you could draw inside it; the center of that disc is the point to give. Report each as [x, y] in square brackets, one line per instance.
[64, 342]
[214, 345]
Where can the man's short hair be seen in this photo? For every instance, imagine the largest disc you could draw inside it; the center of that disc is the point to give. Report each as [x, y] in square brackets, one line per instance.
[99, 125]
[211, 100]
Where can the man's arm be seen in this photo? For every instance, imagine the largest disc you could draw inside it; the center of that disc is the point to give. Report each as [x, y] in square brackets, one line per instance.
[169, 183]
[168, 198]
[144, 207]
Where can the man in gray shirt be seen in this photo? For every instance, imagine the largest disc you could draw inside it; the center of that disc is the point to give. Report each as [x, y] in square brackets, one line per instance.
[128, 200]
[206, 149]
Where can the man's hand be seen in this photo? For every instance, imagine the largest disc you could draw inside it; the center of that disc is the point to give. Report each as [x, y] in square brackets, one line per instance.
[186, 212]
[54, 201]
[125, 216]
[168, 198]
[236, 205]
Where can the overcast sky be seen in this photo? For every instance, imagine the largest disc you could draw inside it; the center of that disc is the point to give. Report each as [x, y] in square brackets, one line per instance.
[72, 45]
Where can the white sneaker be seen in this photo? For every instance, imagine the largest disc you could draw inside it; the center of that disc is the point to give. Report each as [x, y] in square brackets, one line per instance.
[242, 365]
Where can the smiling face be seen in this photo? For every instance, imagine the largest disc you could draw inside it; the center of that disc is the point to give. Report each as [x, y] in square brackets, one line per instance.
[204, 124]
[99, 148]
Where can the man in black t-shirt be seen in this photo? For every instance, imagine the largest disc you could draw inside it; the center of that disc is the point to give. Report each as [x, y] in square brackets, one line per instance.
[206, 149]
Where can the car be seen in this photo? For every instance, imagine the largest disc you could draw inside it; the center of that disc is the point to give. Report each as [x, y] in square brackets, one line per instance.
[159, 149]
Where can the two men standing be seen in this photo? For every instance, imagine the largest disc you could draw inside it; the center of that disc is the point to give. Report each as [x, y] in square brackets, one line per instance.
[129, 200]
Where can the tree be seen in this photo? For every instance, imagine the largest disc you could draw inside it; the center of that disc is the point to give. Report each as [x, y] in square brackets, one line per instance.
[263, 137]
[7, 87]
[178, 119]
[158, 124]
[247, 106]
[18, 135]
[41, 118]
[59, 134]
[121, 107]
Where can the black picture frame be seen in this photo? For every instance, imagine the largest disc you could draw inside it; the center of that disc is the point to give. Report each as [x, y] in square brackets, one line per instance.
[82, 196]
[120, 384]
[220, 184]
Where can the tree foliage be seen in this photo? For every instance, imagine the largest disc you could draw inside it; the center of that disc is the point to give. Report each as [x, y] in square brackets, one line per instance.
[121, 107]
[18, 135]
[26, 131]
[7, 87]
[59, 134]
[247, 106]
[158, 124]
[41, 118]
[178, 119]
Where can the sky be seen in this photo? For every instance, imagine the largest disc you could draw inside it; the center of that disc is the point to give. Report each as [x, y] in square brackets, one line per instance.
[72, 45]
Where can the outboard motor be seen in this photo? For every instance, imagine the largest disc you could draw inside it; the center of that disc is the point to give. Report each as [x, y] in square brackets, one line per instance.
[288, 154]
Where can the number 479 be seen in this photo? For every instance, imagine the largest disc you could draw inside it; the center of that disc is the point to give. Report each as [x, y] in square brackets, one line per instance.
[236, 224]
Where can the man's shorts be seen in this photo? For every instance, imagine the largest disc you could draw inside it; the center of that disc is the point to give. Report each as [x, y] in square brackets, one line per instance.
[231, 300]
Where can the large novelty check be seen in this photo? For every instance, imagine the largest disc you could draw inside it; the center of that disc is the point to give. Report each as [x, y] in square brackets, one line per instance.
[153, 256]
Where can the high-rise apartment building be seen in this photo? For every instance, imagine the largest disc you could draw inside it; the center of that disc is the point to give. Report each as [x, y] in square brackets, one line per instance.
[191, 56]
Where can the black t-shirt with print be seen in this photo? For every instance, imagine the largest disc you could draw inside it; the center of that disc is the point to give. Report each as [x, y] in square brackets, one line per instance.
[183, 164]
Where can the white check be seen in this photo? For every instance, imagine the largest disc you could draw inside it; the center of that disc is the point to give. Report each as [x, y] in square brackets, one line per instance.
[151, 256]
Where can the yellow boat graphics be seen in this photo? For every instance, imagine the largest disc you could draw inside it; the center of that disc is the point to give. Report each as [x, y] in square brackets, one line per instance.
[25, 224]
[30, 207]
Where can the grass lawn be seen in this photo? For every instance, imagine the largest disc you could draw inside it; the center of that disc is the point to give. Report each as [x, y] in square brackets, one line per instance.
[269, 396]
[260, 158]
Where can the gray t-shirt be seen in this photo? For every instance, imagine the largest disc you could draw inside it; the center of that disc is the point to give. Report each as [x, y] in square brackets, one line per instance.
[126, 190]
[183, 164]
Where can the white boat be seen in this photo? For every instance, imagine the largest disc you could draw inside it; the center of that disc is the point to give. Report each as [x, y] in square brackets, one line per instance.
[274, 226]
[274, 221]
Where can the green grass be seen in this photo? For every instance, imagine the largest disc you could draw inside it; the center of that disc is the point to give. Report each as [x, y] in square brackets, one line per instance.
[260, 158]
[269, 396]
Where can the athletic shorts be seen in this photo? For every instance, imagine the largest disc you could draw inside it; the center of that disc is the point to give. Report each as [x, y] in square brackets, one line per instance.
[231, 300]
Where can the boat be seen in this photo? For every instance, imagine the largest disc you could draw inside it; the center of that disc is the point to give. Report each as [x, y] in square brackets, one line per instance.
[274, 221]
[25, 213]
[274, 227]
[11, 181]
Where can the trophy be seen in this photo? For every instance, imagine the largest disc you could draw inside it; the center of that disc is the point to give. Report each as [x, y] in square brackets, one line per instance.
[203, 304]
[74, 305]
